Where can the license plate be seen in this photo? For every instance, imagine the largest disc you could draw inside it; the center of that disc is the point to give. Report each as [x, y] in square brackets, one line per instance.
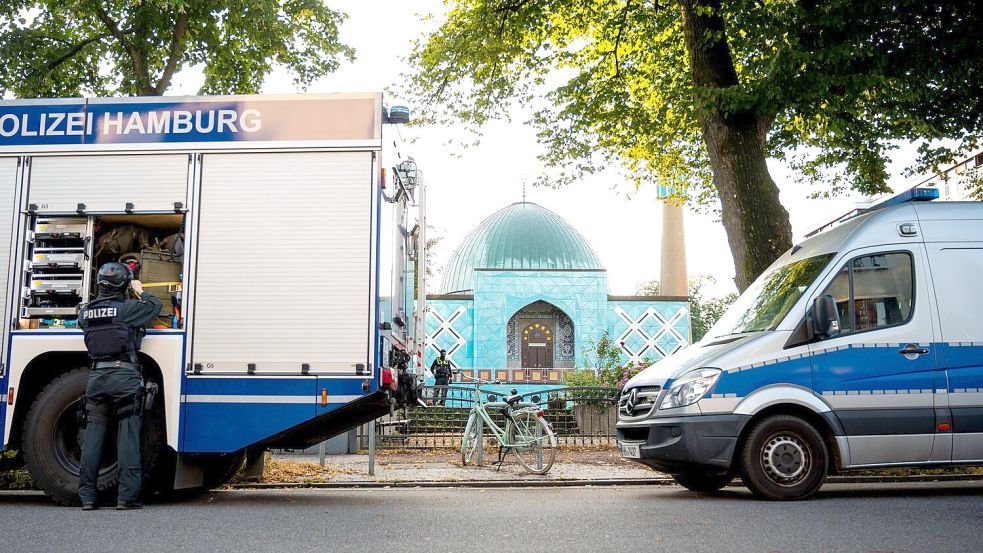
[631, 451]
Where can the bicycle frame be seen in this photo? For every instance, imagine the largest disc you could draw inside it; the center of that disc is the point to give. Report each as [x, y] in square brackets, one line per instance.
[484, 418]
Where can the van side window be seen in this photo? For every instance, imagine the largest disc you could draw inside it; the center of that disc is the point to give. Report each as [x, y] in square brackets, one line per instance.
[874, 291]
[840, 290]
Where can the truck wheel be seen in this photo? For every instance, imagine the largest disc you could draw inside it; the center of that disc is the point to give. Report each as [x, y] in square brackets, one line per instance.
[53, 441]
[784, 458]
[702, 481]
[220, 469]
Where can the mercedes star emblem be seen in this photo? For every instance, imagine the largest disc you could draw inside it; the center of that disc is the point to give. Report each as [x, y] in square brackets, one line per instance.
[630, 401]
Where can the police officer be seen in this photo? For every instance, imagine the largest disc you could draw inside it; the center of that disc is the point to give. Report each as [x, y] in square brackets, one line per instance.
[113, 327]
[441, 368]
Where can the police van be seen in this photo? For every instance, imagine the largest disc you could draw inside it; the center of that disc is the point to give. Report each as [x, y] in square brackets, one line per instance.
[861, 347]
[276, 230]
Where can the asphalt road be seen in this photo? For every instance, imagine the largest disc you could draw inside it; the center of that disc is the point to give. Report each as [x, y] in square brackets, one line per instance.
[871, 518]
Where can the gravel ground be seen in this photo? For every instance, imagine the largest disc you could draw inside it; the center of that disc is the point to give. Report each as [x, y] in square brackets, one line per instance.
[445, 466]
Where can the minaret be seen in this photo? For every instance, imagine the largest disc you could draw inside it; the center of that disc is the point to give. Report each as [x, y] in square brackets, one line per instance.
[673, 271]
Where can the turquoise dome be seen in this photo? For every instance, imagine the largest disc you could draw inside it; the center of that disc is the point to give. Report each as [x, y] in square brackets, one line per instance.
[522, 236]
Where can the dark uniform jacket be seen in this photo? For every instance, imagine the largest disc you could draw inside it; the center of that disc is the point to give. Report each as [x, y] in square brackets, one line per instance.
[135, 313]
[441, 369]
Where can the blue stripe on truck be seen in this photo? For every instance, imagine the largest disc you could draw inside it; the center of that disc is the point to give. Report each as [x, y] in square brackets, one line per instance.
[215, 426]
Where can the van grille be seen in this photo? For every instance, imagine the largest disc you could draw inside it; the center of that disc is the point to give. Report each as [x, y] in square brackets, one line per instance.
[637, 402]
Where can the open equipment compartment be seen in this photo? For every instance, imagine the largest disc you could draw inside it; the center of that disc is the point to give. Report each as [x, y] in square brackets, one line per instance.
[152, 245]
[57, 268]
[64, 254]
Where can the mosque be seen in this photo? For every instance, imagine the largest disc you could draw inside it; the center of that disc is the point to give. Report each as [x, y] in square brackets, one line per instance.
[524, 295]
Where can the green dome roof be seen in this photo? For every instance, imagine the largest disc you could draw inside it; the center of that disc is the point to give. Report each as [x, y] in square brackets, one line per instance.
[522, 236]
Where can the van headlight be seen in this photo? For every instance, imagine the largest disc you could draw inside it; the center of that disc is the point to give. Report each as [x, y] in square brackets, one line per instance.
[690, 388]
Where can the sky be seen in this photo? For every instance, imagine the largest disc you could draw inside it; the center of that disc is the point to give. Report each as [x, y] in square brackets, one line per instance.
[464, 186]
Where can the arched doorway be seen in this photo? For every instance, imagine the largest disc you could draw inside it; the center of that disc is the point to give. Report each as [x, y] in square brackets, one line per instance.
[536, 345]
[558, 351]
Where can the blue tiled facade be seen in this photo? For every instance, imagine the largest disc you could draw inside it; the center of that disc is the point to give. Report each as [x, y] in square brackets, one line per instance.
[474, 329]
[523, 264]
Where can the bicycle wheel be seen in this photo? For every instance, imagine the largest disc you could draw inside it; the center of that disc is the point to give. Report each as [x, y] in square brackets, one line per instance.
[532, 440]
[469, 442]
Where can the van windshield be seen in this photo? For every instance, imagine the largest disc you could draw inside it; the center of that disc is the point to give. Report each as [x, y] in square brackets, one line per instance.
[766, 302]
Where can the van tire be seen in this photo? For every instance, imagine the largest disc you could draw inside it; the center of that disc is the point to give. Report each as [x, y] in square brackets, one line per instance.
[702, 481]
[784, 458]
[52, 441]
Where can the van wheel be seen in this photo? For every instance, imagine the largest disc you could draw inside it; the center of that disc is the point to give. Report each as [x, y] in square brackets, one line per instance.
[53, 441]
[784, 458]
[702, 481]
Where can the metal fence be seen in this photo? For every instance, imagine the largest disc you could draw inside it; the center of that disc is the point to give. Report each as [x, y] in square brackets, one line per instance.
[580, 416]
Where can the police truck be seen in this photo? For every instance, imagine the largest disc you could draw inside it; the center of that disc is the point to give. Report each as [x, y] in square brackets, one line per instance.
[278, 231]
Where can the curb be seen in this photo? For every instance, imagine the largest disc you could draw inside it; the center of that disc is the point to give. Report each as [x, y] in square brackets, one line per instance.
[661, 481]
[370, 484]
[913, 478]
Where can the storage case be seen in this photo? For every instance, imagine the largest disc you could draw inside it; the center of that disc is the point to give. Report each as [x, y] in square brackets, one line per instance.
[159, 272]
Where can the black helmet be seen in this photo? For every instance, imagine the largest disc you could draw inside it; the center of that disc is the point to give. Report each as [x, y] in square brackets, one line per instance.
[114, 277]
[443, 352]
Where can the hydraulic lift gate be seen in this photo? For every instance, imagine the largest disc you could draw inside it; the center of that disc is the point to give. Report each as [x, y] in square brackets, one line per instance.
[282, 281]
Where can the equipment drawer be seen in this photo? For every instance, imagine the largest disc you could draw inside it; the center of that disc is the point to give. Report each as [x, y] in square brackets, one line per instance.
[57, 257]
[56, 285]
[60, 228]
[50, 311]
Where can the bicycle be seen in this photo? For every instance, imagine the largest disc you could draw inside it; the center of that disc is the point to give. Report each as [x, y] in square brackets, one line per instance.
[526, 432]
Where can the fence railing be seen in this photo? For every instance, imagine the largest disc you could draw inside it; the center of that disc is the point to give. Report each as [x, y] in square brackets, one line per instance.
[580, 416]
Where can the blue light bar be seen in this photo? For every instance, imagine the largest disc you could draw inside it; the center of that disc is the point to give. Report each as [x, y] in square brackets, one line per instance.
[913, 195]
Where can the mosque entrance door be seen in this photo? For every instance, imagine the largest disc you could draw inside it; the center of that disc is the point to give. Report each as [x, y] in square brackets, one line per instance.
[537, 345]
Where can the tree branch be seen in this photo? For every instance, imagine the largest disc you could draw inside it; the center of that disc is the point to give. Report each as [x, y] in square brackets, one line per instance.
[617, 40]
[175, 53]
[71, 53]
[507, 10]
[139, 63]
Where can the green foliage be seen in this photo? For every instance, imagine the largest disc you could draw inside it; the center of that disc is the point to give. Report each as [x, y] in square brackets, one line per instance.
[612, 82]
[649, 288]
[604, 366]
[609, 377]
[57, 48]
[12, 474]
[703, 311]
[600, 354]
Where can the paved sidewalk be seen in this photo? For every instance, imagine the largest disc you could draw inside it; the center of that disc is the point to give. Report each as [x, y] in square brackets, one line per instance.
[444, 466]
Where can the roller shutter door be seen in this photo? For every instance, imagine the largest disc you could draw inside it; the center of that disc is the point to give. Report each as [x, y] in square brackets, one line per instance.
[105, 184]
[283, 269]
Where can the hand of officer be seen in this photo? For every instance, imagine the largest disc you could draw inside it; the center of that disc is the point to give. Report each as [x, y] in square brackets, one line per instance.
[137, 287]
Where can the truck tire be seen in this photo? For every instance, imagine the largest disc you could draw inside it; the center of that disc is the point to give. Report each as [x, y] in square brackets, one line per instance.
[220, 469]
[702, 481]
[784, 458]
[53, 437]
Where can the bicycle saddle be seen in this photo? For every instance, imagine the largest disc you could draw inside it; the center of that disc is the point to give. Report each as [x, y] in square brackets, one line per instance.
[512, 399]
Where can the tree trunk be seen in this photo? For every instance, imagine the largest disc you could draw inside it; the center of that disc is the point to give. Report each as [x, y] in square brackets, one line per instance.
[758, 227]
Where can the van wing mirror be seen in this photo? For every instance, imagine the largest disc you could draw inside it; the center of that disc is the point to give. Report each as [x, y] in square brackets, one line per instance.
[825, 317]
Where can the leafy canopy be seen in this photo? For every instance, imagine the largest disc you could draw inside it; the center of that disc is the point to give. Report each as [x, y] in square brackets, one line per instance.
[838, 83]
[55, 48]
